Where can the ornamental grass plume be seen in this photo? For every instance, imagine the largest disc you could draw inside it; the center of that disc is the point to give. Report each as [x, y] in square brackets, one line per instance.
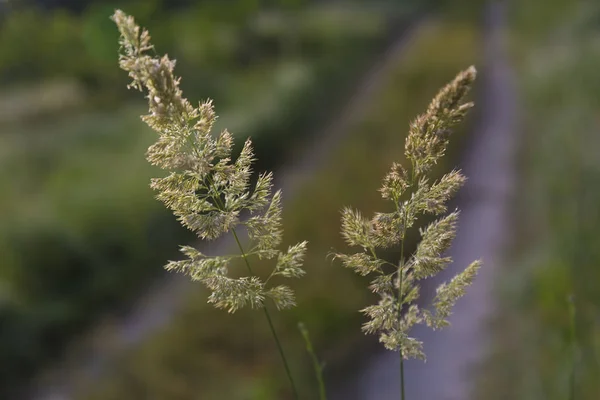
[206, 189]
[412, 194]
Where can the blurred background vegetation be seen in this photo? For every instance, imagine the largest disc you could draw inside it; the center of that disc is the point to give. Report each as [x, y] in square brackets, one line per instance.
[82, 237]
[555, 253]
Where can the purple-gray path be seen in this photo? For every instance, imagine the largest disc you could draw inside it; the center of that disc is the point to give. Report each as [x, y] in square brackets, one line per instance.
[489, 164]
[155, 309]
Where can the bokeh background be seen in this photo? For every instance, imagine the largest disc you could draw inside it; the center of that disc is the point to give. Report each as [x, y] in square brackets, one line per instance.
[326, 89]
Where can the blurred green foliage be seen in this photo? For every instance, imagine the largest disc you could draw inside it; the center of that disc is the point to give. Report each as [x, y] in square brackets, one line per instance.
[80, 229]
[206, 353]
[213, 40]
[556, 245]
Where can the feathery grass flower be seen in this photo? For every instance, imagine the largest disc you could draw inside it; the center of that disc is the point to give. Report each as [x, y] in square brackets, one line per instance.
[205, 189]
[412, 195]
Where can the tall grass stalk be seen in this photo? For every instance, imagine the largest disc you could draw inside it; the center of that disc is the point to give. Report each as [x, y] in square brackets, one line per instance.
[270, 323]
[413, 194]
[208, 191]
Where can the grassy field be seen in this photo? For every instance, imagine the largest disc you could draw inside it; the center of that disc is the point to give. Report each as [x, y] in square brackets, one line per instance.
[209, 354]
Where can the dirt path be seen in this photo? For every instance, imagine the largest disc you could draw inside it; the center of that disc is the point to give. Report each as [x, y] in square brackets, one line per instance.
[155, 309]
[489, 165]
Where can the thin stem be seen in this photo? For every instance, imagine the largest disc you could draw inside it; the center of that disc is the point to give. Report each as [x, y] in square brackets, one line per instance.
[400, 282]
[268, 316]
[281, 353]
[402, 375]
[573, 340]
[264, 308]
[400, 295]
[318, 367]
